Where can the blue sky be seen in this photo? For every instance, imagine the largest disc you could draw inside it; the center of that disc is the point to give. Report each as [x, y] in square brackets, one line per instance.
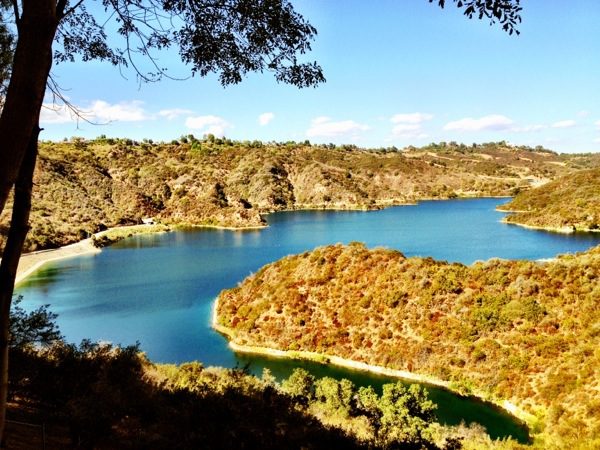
[398, 73]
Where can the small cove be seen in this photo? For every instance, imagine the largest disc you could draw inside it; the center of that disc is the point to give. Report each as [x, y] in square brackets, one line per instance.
[158, 289]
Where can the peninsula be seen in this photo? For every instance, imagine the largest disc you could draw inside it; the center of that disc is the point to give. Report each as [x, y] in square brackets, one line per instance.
[568, 204]
[509, 331]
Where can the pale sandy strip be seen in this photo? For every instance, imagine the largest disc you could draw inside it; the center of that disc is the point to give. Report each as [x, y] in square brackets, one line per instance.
[336, 360]
[30, 262]
[563, 230]
[221, 227]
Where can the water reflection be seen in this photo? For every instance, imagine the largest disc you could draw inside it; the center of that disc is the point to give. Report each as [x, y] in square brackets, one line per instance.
[452, 409]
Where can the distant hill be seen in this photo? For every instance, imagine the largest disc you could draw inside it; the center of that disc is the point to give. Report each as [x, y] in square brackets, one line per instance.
[570, 203]
[85, 186]
[521, 331]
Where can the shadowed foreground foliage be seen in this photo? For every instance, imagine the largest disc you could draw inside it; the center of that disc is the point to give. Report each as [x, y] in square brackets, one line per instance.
[100, 396]
[108, 397]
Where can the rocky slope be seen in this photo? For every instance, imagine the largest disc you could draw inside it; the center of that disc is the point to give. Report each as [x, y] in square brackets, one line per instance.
[85, 186]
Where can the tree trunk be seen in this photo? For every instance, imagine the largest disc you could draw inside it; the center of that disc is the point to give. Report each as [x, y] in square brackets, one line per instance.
[19, 226]
[19, 130]
[31, 65]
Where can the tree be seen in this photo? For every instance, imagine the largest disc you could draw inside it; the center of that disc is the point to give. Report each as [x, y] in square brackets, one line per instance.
[300, 385]
[405, 413]
[506, 12]
[37, 327]
[227, 37]
[335, 396]
[6, 56]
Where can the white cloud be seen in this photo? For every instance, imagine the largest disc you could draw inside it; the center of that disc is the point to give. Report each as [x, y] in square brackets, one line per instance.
[321, 119]
[98, 111]
[122, 112]
[405, 128]
[411, 118]
[208, 124]
[529, 128]
[491, 122]
[408, 130]
[55, 114]
[325, 127]
[173, 113]
[597, 124]
[583, 113]
[265, 118]
[597, 140]
[410, 125]
[564, 124]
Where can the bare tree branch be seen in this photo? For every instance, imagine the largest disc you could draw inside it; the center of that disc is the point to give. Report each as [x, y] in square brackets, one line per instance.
[15, 6]
[74, 111]
[69, 11]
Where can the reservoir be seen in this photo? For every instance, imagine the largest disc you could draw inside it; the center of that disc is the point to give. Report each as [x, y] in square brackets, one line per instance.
[158, 289]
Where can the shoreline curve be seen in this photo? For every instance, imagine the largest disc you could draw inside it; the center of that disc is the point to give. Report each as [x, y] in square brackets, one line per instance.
[30, 263]
[507, 406]
[561, 230]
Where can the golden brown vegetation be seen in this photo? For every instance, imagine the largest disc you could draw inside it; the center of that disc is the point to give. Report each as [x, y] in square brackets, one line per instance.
[82, 187]
[570, 202]
[522, 331]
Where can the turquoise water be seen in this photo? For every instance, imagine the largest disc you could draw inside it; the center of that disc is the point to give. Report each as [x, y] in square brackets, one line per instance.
[158, 289]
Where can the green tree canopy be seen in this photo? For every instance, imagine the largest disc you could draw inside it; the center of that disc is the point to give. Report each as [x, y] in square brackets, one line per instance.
[37, 327]
[505, 12]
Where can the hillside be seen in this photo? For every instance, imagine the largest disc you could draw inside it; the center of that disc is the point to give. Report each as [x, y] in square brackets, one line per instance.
[570, 203]
[521, 331]
[83, 187]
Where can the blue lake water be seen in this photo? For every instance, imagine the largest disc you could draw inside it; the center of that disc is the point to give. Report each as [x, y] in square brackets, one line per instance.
[159, 289]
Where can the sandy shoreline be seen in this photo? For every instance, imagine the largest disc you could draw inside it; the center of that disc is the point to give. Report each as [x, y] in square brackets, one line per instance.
[506, 405]
[562, 230]
[30, 262]
[183, 226]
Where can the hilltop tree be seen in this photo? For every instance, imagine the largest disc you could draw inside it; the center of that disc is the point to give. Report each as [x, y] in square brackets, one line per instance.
[228, 37]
